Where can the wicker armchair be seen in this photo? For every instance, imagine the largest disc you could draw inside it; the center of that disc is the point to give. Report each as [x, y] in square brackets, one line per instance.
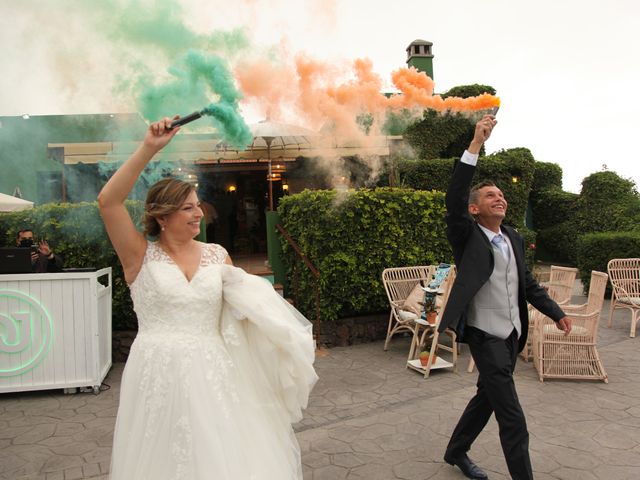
[398, 283]
[560, 285]
[572, 356]
[624, 274]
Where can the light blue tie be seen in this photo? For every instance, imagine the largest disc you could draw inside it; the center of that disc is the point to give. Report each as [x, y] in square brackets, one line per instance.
[500, 242]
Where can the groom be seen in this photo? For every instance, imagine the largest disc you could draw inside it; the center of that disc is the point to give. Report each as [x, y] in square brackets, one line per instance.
[488, 309]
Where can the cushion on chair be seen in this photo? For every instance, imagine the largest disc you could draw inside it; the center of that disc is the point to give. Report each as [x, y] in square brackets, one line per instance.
[407, 316]
[413, 302]
[630, 301]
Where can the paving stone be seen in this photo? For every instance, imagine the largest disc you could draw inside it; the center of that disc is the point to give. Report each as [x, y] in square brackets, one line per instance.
[316, 460]
[105, 467]
[91, 470]
[330, 472]
[67, 429]
[12, 432]
[60, 463]
[55, 476]
[31, 420]
[35, 434]
[74, 473]
[75, 448]
[415, 470]
[347, 460]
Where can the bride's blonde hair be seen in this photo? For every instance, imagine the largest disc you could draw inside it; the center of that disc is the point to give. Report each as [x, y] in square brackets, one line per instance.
[164, 198]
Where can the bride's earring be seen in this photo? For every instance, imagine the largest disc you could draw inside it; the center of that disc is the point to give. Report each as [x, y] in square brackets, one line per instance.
[162, 228]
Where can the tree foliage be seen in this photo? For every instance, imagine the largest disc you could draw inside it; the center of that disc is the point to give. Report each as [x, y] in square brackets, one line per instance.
[466, 91]
[440, 135]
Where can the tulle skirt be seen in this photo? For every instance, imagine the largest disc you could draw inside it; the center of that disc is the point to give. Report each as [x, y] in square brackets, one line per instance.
[189, 409]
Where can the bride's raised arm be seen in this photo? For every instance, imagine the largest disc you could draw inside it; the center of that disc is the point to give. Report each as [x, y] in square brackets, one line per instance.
[129, 243]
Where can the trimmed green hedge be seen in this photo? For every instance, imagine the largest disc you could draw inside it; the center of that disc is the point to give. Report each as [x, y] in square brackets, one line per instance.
[76, 231]
[552, 207]
[607, 203]
[440, 135]
[351, 237]
[499, 167]
[554, 213]
[547, 176]
[596, 249]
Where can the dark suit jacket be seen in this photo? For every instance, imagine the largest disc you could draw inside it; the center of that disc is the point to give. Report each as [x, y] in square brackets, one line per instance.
[44, 265]
[474, 261]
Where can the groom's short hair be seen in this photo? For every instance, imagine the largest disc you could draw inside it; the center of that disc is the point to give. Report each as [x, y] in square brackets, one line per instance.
[473, 193]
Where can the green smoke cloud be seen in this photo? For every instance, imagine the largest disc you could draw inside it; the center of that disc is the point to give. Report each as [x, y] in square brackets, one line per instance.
[195, 80]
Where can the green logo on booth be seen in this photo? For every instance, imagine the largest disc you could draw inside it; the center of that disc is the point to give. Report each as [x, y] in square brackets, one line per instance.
[26, 332]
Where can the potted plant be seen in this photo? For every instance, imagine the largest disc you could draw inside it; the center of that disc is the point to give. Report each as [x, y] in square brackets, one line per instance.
[431, 292]
[424, 357]
[430, 309]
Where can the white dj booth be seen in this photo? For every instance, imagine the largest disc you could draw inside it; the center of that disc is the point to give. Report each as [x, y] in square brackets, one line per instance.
[55, 330]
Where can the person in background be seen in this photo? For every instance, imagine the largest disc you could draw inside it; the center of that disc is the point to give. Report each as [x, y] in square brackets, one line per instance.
[43, 260]
[210, 219]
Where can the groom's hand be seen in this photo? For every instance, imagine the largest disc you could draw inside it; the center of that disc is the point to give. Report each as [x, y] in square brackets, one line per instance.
[482, 133]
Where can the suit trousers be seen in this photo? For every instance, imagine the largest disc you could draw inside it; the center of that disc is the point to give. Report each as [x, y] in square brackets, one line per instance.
[496, 360]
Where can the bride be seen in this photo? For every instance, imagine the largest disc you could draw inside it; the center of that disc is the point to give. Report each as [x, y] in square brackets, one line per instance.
[221, 366]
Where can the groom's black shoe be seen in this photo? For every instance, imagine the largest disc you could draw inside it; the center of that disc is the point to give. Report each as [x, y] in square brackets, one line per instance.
[466, 465]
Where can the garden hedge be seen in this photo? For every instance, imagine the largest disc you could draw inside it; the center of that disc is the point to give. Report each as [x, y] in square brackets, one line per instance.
[596, 249]
[607, 203]
[351, 237]
[547, 176]
[500, 167]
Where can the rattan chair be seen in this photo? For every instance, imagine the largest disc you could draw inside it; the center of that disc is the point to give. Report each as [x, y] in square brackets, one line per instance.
[430, 335]
[624, 274]
[572, 356]
[560, 285]
[398, 283]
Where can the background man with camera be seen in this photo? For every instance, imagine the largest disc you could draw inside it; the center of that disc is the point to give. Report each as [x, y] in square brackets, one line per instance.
[43, 259]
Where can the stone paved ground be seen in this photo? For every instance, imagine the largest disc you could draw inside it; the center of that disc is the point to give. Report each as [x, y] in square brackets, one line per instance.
[370, 418]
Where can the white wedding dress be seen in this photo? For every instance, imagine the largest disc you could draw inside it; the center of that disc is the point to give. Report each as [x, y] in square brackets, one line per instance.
[220, 368]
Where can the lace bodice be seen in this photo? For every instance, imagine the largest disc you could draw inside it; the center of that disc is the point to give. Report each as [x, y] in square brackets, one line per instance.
[166, 302]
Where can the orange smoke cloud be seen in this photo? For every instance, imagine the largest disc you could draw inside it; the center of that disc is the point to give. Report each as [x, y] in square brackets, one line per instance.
[320, 94]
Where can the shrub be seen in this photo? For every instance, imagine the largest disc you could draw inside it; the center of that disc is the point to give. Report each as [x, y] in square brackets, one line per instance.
[552, 207]
[530, 245]
[607, 203]
[440, 135]
[547, 176]
[596, 249]
[352, 236]
[76, 232]
[559, 242]
[500, 167]
[466, 91]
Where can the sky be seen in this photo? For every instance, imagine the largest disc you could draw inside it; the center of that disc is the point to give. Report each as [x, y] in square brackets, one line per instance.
[566, 71]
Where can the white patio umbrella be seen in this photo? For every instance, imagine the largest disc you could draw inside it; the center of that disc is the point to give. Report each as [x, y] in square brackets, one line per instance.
[13, 204]
[278, 135]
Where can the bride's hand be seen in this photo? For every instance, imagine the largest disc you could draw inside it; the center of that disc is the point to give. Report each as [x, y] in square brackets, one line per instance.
[160, 133]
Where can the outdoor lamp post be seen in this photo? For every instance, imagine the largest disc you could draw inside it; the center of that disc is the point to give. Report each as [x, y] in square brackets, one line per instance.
[268, 141]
